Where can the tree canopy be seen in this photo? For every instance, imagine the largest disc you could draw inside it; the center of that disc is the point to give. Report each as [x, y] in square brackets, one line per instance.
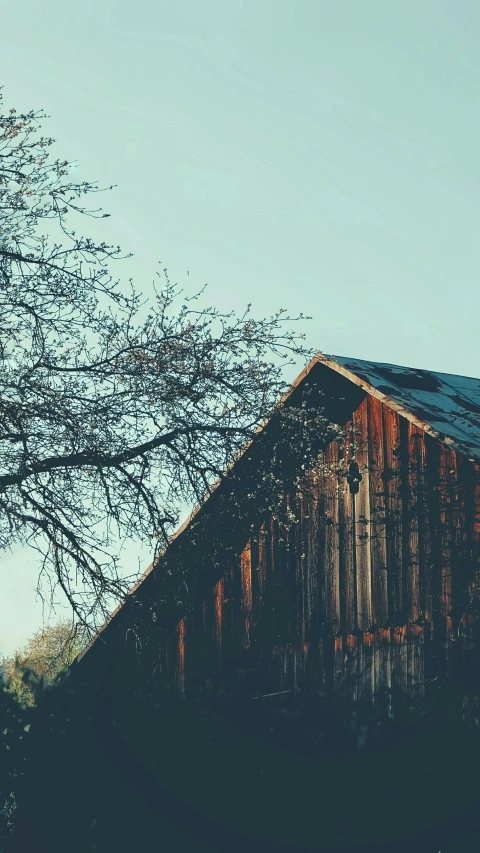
[36, 667]
[117, 404]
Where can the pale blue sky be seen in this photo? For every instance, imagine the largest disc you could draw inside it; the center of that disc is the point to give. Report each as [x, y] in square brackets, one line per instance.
[317, 156]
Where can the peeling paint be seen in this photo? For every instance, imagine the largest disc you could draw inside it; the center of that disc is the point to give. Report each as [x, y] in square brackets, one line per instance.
[181, 656]
[246, 586]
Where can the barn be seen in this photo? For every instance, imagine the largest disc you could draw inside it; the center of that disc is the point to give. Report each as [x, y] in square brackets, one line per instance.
[371, 580]
[362, 579]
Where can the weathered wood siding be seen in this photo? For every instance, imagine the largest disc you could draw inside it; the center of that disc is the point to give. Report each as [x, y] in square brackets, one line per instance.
[354, 591]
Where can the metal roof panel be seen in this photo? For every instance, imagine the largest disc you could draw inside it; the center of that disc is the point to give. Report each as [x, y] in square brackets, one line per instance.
[446, 403]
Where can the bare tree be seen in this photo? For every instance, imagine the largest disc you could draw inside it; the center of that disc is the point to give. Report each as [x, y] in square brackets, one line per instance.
[115, 406]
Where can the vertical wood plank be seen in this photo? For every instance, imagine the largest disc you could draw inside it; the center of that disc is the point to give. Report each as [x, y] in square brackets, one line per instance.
[168, 660]
[280, 579]
[471, 620]
[447, 471]
[246, 592]
[269, 594]
[378, 534]
[476, 528]
[281, 575]
[313, 561]
[199, 652]
[346, 542]
[448, 487]
[366, 666]
[296, 665]
[425, 549]
[300, 560]
[180, 673]
[338, 663]
[255, 631]
[315, 666]
[351, 666]
[460, 558]
[305, 663]
[391, 429]
[415, 668]
[262, 535]
[291, 558]
[400, 660]
[412, 577]
[362, 521]
[434, 652]
[218, 616]
[258, 583]
[229, 597]
[273, 581]
[332, 551]
[383, 664]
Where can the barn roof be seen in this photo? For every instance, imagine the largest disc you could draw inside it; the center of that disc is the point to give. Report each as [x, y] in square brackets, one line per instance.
[444, 404]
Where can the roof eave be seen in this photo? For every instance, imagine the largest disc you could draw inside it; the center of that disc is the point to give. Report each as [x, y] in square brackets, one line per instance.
[329, 361]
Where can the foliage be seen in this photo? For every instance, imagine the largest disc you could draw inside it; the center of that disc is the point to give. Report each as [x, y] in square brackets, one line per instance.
[115, 407]
[25, 678]
[14, 728]
[46, 656]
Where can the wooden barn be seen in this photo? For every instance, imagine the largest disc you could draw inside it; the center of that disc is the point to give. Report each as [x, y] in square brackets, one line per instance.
[369, 576]
[364, 580]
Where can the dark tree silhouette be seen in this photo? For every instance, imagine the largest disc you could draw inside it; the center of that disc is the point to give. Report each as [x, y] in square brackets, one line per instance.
[115, 405]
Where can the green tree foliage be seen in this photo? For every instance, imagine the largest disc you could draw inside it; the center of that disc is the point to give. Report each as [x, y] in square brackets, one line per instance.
[25, 677]
[46, 656]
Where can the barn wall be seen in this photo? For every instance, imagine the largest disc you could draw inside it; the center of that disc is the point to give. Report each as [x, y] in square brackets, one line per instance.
[353, 592]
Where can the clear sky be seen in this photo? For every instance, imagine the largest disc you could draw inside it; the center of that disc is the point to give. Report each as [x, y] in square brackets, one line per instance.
[316, 155]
